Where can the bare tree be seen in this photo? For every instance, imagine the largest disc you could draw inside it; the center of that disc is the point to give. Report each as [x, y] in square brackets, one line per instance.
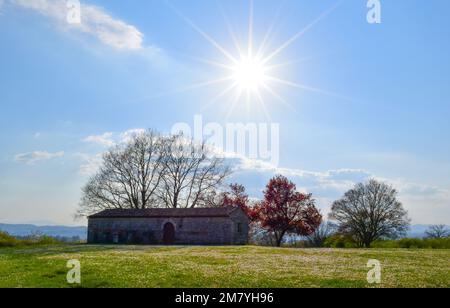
[260, 236]
[193, 173]
[153, 171]
[318, 238]
[129, 177]
[369, 212]
[437, 232]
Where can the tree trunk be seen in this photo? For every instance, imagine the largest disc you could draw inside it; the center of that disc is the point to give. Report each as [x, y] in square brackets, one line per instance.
[280, 238]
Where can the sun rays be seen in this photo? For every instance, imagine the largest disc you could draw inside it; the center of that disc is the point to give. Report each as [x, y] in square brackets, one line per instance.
[249, 71]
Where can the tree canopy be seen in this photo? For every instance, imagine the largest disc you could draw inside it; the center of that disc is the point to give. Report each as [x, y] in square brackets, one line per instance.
[152, 170]
[370, 211]
[284, 210]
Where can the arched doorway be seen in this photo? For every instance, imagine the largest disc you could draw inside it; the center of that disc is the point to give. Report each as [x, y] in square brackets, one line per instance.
[169, 234]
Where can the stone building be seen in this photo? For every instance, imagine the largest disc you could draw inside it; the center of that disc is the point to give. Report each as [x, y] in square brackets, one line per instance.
[197, 226]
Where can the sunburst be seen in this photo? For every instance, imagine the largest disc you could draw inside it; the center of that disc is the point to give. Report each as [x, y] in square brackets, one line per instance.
[250, 74]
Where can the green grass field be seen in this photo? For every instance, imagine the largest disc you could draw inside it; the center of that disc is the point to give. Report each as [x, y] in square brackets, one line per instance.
[199, 267]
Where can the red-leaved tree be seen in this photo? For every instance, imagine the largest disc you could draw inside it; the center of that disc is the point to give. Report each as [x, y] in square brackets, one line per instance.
[237, 197]
[284, 210]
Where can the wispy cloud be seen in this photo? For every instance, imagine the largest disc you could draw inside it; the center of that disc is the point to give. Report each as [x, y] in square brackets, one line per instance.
[94, 21]
[105, 139]
[90, 163]
[128, 135]
[110, 139]
[425, 203]
[34, 157]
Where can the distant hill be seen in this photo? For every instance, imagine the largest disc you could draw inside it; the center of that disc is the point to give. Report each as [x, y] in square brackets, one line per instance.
[55, 231]
[418, 231]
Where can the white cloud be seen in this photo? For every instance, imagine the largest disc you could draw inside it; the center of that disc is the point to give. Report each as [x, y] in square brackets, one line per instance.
[340, 179]
[427, 204]
[90, 163]
[110, 139]
[33, 157]
[127, 135]
[104, 139]
[94, 21]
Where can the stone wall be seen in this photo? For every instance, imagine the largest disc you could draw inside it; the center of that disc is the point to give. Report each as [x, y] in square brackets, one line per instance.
[240, 227]
[188, 230]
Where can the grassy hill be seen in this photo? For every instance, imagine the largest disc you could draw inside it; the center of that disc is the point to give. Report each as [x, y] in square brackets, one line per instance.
[198, 267]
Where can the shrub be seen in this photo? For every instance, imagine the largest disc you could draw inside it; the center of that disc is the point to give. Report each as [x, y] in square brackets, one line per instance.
[414, 243]
[322, 233]
[385, 244]
[340, 241]
[46, 240]
[7, 240]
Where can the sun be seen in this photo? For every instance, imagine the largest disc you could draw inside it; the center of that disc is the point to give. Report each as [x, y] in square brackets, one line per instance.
[250, 74]
[252, 70]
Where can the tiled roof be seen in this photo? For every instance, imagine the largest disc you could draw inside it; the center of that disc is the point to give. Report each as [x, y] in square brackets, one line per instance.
[195, 212]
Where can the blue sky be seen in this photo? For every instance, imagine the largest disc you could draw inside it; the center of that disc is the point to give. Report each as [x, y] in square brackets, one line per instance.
[380, 110]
